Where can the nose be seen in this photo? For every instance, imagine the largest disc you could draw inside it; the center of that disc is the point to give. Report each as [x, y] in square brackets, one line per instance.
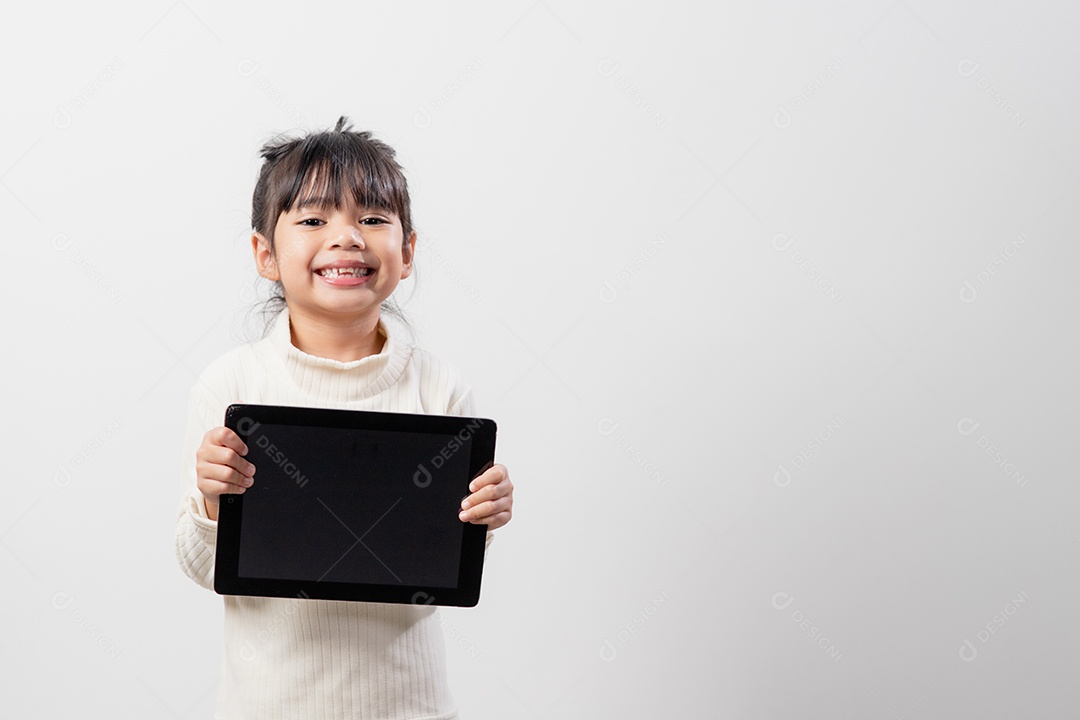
[348, 237]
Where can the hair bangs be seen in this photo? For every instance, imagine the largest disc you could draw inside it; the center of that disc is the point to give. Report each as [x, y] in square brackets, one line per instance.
[330, 170]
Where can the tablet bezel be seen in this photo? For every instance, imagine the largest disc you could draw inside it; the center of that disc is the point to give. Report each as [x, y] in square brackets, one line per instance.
[481, 431]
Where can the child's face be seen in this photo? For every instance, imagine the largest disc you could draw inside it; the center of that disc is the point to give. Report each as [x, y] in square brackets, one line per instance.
[310, 241]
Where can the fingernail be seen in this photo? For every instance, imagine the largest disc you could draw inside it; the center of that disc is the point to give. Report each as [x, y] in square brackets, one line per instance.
[463, 515]
[464, 504]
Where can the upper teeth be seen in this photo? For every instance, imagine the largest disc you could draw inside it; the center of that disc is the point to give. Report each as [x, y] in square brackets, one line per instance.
[335, 272]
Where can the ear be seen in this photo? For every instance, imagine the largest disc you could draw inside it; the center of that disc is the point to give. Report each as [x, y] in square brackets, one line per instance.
[408, 251]
[265, 263]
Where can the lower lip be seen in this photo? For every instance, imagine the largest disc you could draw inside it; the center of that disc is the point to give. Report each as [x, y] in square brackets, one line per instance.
[345, 280]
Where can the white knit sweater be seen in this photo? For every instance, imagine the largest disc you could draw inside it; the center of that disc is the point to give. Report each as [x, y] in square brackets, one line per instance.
[302, 658]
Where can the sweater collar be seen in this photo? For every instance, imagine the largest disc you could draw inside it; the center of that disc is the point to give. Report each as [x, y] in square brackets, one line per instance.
[329, 382]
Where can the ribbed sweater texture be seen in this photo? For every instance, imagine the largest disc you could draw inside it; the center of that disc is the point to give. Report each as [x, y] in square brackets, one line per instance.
[303, 658]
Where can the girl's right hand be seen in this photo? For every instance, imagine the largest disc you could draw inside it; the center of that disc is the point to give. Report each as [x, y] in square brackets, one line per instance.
[221, 468]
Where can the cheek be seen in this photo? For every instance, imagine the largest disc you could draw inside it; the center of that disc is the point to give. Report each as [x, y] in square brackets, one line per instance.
[291, 256]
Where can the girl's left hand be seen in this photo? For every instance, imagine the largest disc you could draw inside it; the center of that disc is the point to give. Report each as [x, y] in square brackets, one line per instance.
[491, 500]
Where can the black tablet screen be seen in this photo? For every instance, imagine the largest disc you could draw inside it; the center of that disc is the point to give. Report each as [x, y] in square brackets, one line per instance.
[329, 504]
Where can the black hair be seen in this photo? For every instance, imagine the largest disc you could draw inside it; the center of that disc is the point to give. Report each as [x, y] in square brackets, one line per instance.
[332, 164]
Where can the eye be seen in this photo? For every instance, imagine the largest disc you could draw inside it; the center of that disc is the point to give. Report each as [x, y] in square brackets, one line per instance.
[374, 220]
[310, 222]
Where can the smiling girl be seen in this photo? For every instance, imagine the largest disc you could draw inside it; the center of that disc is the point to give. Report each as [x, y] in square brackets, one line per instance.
[333, 232]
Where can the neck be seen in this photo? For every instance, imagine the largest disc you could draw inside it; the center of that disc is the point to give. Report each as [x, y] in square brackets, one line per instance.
[344, 339]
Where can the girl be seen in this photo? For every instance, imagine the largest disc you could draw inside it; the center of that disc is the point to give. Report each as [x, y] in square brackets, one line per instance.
[333, 231]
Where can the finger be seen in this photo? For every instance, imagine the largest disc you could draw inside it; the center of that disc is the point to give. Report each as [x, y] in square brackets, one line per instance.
[225, 437]
[220, 473]
[228, 457]
[493, 521]
[488, 492]
[484, 509]
[494, 474]
[212, 490]
[222, 463]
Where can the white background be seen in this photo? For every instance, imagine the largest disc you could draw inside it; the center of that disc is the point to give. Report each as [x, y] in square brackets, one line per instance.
[775, 305]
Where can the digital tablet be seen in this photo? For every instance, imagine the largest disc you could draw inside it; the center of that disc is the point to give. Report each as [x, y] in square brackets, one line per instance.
[354, 505]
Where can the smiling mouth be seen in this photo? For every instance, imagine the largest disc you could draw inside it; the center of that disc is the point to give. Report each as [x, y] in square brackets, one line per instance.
[345, 272]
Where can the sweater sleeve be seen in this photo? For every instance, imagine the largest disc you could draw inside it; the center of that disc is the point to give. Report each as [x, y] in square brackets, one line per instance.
[196, 534]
